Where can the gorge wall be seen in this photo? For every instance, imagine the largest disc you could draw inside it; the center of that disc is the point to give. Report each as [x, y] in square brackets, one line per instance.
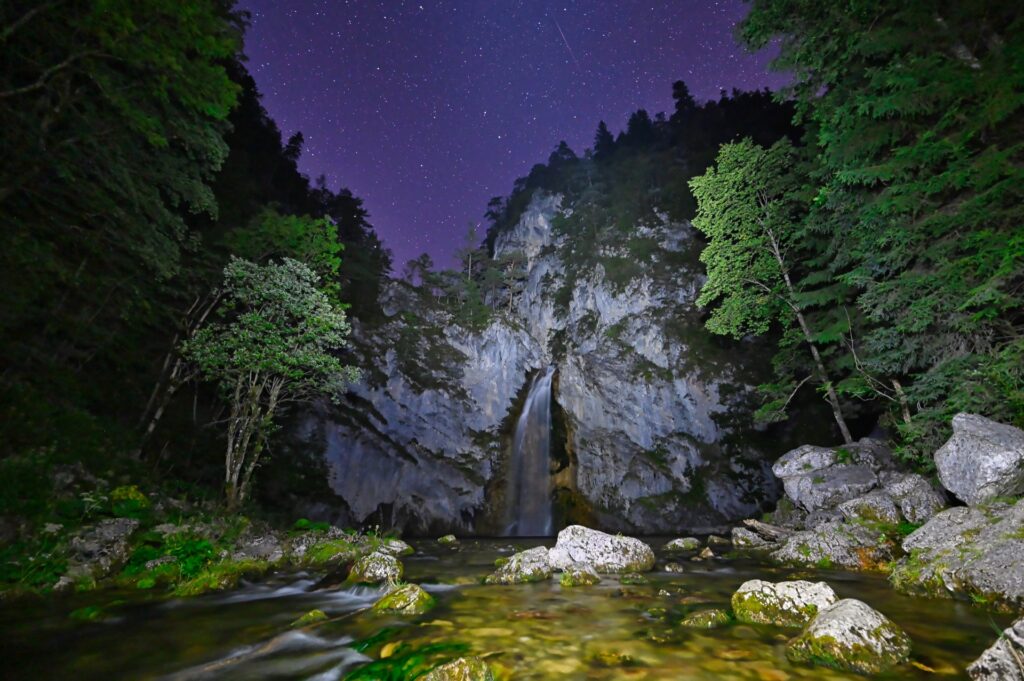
[652, 430]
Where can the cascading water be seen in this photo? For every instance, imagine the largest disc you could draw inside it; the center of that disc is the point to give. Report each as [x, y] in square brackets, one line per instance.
[529, 478]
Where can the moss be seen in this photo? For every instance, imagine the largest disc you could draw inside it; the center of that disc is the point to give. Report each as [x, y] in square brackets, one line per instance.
[332, 551]
[311, 617]
[633, 579]
[707, 619]
[405, 600]
[221, 576]
[576, 577]
[829, 652]
[753, 607]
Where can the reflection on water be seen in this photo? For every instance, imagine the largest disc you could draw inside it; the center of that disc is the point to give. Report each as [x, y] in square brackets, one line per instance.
[536, 631]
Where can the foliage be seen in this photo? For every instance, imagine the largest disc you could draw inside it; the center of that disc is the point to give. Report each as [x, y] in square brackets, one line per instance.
[271, 345]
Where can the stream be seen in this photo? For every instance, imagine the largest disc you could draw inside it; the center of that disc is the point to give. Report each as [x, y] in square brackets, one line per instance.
[534, 631]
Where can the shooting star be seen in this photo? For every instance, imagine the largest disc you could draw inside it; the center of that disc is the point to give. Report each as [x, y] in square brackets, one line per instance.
[562, 33]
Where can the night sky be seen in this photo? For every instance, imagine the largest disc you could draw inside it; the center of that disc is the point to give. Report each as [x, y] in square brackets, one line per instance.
[427, 109]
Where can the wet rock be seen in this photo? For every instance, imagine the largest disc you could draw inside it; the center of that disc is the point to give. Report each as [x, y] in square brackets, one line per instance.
[674, 567]
[396, 547]
[409, 599]
[851, 636]
[579, 576]
[982, 460]
[462, 669]
[532, 565]
[682, 545]
[786, 604]
[721, 543]
[577, 545]
[311, 617]
[917, 499]
[633, 579]
[821, 516]
[743, 538]
[265, 547]
[99, 550]
[376, 568]
[706, 619]
[706, 554]
[875, 506]
[1004, 659]
[967, 551]
[823, 477]
[447, 540]
[835, 544]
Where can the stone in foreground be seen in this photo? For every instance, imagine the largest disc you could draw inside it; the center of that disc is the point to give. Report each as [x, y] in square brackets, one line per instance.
[1004, 659]
[785, 604]
[605, 553]
[376, 568]
[982, 460]
[852, 636]
[527, 566]
[579, 576]
[462, 669]
[409, 599]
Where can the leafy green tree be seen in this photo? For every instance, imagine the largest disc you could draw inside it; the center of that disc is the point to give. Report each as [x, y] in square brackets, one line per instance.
[749, 208]
[919, 113]
[271, 344]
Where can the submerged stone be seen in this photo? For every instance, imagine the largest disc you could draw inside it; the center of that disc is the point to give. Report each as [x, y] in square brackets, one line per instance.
[408, 599]
[579, 576]
[531, 565]
[706, 619]
[785, 604]
[462, 669]
[311, 617]
[633, 579]
[852, 636]
[605, 553]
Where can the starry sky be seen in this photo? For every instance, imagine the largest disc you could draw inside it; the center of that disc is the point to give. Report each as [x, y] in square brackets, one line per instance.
[427, 109]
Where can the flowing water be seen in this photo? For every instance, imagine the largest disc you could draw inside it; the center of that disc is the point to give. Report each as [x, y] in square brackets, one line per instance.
[529, 480]
[533, 631]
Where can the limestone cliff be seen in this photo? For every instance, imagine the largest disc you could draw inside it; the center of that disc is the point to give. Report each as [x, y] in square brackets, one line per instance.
[652, 413]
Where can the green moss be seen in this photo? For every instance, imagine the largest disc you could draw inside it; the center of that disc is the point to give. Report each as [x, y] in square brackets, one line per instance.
[828, 652]
[311, 617]
[405, 600]
[331, 551]
[753, 607]
[221, 576]
[707, 619]
[575, 577]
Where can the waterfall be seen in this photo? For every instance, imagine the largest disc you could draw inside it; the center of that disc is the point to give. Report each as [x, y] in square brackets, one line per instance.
[529, 475]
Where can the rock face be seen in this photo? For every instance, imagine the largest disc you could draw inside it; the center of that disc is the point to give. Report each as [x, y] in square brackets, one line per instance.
[531, 565]
[851, 635]
[580, 546]
[785, 604]
[968, 551]
[653, 413]
[1003, 659]
[982, 460]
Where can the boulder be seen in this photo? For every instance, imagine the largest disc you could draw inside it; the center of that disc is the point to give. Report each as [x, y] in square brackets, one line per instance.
[261, 547]
[852, 636]
[682, 545]
[917, 499]
[396, 547]
[785, 604]
[1004, 659]
[462, 669]
[745, 539]
[376, 568]
[875, 506]
[579, 576]
[967, 551]
[835, 543]
[408, 599]
[982, 460]
[447, 540]
[98, 550]
[577, 545]
[822, 477]
[721, 543]
[531, 565]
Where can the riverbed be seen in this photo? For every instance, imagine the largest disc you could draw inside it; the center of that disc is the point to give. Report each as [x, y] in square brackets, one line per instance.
[533, 631]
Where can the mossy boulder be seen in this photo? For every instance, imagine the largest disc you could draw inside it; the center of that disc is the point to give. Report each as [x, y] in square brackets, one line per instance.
[409, 599]
[706, 619]
[605, 553]
[448, 540]
[579, 576]
[222, 576]
[633, 579]
[396, 547]
[376, 568]
[784, 604]
[531, 565]
[851, 636]
[330, 552]
[311, 617]
[462, 669]
[682, 545]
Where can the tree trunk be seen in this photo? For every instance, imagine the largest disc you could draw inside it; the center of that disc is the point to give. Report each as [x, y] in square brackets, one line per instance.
[902, 397]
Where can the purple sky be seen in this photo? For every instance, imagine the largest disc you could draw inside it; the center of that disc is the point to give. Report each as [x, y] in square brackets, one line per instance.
[427, 109]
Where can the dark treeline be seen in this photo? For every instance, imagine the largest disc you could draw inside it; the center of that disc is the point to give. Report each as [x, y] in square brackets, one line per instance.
[137, 159]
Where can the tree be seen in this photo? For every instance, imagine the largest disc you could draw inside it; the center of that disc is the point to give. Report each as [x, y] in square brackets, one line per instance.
[513, 269]
[748, 206]
[920, 120]
[471, 253]
[604, 143]
[272, 344]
